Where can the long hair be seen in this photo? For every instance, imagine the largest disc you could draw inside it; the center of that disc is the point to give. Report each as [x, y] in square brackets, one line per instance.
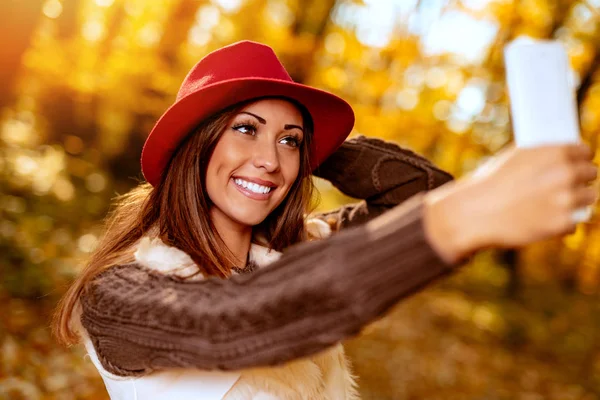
[177, 211]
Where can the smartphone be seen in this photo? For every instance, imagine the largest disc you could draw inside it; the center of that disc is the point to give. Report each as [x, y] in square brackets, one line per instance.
[543, 101]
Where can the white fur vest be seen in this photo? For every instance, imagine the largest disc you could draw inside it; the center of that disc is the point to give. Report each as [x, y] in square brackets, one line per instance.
[324, 376]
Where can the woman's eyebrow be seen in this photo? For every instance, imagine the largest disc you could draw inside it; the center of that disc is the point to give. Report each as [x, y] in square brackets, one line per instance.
[290, 126]
[264, 121]
[260, 119]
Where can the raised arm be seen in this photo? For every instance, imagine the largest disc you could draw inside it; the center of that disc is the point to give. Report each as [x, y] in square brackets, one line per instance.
[315, 295]
[381, 173]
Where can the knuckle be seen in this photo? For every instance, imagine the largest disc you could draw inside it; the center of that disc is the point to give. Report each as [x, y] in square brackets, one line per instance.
[566, 155]
[579, 151]
[592, 172]
[590, 195]
[569, 200]
[567, 176]
[561, 201]
[587, 151]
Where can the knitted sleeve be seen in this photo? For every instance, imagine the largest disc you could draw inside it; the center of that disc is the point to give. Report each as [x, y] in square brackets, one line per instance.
[380, 173]
[315, 295]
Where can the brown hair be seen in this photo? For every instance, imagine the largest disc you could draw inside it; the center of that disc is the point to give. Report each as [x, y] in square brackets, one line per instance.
[177, 211]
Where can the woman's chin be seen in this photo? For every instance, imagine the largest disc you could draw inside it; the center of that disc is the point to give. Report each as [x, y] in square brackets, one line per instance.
[249, 219]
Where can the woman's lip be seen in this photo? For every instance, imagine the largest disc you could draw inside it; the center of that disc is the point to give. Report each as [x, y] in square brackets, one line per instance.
[252, 195]
[257, 181]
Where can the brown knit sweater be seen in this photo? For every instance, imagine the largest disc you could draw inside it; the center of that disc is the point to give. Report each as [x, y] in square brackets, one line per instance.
[315, 295]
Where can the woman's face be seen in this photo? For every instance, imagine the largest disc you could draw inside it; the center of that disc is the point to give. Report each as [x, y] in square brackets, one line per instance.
[255, 162]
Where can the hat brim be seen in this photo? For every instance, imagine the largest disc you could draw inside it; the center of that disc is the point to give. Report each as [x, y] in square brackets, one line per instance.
[333, 118]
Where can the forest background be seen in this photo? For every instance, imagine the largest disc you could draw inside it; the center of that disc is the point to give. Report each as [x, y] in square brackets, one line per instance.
[83, 81]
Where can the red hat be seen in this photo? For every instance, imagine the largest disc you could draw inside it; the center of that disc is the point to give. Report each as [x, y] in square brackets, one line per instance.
[238, 72]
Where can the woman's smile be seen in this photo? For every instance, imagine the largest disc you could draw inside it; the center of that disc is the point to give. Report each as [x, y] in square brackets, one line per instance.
[252, 190]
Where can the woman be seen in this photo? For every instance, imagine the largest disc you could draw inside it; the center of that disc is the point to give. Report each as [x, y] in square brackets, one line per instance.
[228, 169]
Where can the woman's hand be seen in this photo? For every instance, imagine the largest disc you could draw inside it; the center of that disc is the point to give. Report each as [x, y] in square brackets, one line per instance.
[520, 196]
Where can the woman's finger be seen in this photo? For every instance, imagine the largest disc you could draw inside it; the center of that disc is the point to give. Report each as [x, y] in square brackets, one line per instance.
[584, 173]
[585, 196]
[579, 152]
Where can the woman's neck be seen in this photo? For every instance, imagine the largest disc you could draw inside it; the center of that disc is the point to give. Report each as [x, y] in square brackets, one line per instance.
[237, 237]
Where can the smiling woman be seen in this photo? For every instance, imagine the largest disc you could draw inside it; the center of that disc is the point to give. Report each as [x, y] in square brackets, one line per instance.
[229, 169]
[210, 281]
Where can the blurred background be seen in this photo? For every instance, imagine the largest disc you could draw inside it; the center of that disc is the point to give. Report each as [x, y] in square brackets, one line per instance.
[83, 81]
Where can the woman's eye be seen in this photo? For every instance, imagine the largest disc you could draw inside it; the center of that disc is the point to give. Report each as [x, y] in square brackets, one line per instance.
[244, 128]
[295, 142]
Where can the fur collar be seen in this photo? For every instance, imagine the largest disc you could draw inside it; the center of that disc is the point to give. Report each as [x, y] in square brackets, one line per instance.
[154, 254]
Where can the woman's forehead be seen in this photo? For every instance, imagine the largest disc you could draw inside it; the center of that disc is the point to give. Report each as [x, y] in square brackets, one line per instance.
[274, 108]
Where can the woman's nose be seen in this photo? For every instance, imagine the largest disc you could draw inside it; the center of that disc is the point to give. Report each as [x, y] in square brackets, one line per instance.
[266, 156]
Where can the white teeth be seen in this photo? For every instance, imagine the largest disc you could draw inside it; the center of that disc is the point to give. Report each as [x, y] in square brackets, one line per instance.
[252, 186]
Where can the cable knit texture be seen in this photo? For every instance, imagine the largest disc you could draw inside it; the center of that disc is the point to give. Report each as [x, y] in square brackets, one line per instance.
[326, 375]
[287, 318]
